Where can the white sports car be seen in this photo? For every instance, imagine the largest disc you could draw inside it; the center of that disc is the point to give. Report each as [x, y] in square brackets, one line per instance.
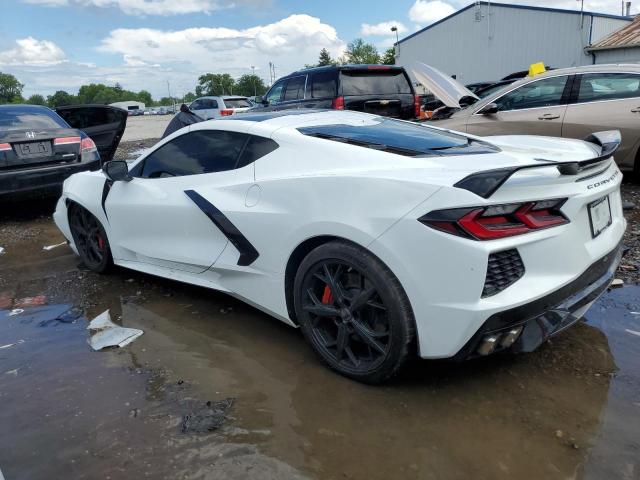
[378, 237]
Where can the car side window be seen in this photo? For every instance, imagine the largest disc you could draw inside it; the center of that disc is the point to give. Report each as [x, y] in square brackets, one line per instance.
[273, 96]
[294, 89]
[324, 85]
[256, 148]
[546, 92]
[196, 105]
[608, 86]
[208, 104]
[194, 153]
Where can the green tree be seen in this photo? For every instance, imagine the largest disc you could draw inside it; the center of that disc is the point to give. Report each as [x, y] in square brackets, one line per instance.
[389, 56]
[325, 58]
[189, 97]
[358, 51]
[215, 84]
[165, 101]
[144, 97]
[61, 98]
[250, 85]
[36, 99]
[10, 89]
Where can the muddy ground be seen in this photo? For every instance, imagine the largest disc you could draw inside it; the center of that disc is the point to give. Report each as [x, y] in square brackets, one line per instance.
[569, 410]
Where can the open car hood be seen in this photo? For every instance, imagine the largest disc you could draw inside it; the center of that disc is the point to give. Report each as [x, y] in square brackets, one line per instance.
[445, 88]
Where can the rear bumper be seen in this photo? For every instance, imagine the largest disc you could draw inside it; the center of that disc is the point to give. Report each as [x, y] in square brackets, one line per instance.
[39, 181]
[549, 315]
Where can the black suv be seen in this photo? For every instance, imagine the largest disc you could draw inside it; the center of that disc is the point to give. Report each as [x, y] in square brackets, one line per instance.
[379, 89]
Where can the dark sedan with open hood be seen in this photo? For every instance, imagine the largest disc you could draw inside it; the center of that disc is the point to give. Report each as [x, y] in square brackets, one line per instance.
[40, 148]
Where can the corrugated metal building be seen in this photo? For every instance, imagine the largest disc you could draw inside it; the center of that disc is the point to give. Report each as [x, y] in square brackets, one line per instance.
[622, 46]
[486, 41]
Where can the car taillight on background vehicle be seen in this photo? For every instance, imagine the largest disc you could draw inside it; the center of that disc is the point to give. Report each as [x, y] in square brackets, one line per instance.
[66, 140]
[337, 103]
[5, 147]
[88, 149]
[226, 112]
[416, 106]
[497, 221]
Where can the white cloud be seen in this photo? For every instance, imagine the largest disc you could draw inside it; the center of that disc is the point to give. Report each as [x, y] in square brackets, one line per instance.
[425, 12]
[382, 28]
[150, 57]
[29, 51]
[153, 7]
[289, 43]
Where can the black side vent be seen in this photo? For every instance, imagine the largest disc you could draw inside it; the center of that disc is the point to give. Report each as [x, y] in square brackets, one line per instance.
[504, 269]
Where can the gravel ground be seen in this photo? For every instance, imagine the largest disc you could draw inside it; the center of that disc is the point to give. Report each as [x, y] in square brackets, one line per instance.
[147, 126]
[629, 268]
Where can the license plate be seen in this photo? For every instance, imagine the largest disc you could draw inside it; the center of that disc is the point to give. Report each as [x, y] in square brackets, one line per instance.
[34, 149]
[599, 215]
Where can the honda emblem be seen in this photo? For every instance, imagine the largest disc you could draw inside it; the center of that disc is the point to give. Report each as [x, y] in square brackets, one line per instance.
[30, 134]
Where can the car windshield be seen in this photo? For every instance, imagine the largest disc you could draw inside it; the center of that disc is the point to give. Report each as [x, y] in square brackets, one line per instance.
[395, 136]
[374, 82]
[29, 119]
[236, 103]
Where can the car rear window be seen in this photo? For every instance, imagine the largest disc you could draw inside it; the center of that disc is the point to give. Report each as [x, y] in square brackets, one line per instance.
[399, 137]
[324, 85]
[29, 119]
[374, 82]
[236, 103]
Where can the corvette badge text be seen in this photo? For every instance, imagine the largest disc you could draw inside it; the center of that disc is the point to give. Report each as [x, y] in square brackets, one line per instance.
[605, 181]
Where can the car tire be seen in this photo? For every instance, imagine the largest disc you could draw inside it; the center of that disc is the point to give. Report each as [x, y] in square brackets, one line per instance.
[353, 312]
[90, 239]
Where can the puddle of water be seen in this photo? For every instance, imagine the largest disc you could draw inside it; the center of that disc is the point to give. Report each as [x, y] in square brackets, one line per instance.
[557, 413]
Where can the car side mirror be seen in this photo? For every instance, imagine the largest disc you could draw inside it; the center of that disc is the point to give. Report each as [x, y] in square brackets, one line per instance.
[489, 109]
[117, 170]
[262, 100]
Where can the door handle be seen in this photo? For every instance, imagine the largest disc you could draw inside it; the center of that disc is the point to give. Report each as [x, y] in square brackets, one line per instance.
[635, 110]
[548, 116]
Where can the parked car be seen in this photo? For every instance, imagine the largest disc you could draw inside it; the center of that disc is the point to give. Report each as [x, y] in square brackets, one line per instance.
[379, 89]
[570, 102]
[217, 107]
[488, 245]
[40, 147]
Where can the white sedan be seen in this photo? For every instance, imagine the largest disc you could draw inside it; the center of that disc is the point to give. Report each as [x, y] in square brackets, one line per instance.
[379, 238]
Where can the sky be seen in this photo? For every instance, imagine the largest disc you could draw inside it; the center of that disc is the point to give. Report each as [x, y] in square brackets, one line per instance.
[164, 45]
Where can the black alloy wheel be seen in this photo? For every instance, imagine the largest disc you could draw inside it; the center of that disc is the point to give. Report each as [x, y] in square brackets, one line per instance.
[353, 311]
[90, 239]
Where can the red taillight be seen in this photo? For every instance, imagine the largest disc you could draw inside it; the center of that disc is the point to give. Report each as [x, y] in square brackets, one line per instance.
[88, 150]
[5, 147]
[378, 67]
[66, 140]
[497, 221]
[226, 112]
[416, 106]
[337, 103]
[87, 144]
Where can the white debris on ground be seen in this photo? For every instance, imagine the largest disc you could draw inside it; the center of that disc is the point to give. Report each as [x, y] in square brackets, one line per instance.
[632, 332]
[617, 283]
[105, 333]
[1, 250]
[16, 311]
[51, 247]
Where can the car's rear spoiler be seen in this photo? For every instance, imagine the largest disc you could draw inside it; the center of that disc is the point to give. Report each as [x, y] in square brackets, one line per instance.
[485, 183]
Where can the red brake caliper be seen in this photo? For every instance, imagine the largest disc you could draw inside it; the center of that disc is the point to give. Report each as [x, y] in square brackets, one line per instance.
[327, 296]
[100, 242]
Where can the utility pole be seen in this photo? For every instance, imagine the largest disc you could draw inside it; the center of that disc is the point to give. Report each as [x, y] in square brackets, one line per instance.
[253, 78]
[169, 92]
[395, 29]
